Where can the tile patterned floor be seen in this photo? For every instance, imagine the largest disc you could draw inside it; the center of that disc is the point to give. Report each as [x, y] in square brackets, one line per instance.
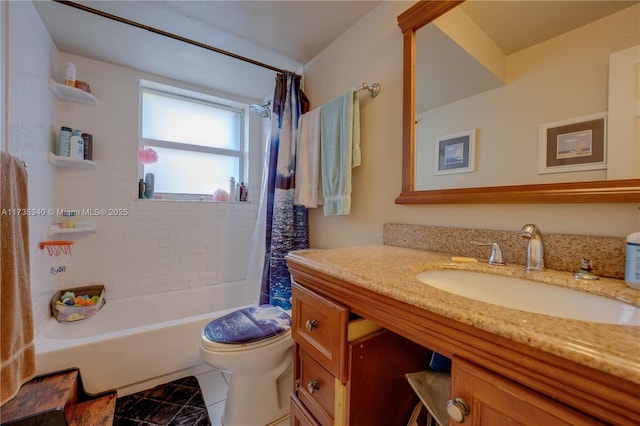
[146, 408]
[175, 403]
[214, 389]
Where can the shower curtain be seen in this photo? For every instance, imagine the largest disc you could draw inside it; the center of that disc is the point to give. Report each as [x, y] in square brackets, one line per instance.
[286, 224]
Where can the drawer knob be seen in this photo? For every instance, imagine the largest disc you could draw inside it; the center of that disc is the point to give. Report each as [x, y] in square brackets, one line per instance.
[457, 410]
[311, 325]
[313, 386]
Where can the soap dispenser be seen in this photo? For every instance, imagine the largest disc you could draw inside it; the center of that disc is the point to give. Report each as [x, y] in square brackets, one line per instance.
[632, 268]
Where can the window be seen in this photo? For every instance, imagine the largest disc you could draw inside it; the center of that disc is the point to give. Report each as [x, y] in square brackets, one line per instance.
[199, 139]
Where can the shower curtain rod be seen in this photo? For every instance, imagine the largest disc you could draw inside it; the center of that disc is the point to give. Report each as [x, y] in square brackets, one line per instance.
[168, 34]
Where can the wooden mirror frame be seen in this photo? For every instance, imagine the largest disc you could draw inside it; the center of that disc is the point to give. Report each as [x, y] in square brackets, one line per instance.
[612, 191]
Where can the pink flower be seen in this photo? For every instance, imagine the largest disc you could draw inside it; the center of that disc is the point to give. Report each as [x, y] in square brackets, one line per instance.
[147, 156]
[221, 195]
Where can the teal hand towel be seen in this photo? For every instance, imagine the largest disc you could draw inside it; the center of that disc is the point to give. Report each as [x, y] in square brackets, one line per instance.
[339, 151]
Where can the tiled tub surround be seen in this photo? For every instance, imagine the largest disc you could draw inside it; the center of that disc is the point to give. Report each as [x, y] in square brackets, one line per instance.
[391, 272]
[562, 252]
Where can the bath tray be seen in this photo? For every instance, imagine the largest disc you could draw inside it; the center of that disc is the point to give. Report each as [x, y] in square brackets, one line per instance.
[67, 313]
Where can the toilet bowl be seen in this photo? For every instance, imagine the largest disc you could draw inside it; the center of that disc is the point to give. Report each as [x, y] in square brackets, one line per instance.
[253, 344]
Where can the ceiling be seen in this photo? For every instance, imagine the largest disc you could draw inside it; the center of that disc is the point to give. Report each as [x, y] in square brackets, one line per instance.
[283, 34]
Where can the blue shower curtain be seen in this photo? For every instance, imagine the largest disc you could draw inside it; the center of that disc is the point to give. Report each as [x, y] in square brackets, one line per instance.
[287, 226]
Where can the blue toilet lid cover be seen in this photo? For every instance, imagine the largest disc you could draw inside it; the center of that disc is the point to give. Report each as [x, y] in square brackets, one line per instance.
[248, 325]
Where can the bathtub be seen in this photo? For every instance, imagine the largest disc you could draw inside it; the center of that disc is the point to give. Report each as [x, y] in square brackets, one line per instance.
[135, 343]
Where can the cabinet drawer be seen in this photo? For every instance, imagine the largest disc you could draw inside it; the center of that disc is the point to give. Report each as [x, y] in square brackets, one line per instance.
[320, 328]
[317, 389]
[299, 414]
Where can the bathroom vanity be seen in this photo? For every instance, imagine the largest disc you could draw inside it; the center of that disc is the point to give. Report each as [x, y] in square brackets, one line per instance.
[506, 363]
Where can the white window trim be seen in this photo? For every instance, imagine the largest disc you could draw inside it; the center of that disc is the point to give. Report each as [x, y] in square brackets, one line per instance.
[180, 93]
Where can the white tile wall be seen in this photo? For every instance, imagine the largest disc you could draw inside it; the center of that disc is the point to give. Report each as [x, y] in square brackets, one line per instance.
[163, 246]
[31, 118]
[157, 246]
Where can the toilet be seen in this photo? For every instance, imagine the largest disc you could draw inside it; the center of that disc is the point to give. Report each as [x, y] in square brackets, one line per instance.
[254, 344]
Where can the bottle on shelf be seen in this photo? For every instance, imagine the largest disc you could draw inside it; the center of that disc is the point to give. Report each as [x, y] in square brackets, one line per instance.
[70, 79]
[232, 189]
[64, 141]
[88, 146]
[243, 192]
[77, 146]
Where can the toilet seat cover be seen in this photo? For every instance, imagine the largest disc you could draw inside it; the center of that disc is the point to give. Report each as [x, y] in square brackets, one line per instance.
[248, 325]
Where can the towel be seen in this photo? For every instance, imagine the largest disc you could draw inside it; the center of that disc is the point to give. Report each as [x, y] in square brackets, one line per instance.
[16, 320]
[339, 151]
[308, 190]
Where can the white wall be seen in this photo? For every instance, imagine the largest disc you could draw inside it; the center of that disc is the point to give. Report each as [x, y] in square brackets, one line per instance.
[372, 51]
[31, 116]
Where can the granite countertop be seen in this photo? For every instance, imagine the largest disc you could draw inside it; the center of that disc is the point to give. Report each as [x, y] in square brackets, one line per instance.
[391, 271]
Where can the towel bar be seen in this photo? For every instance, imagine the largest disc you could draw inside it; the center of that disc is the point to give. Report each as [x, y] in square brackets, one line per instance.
[373, 89]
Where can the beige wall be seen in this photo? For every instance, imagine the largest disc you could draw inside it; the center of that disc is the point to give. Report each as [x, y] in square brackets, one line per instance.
[371, 51]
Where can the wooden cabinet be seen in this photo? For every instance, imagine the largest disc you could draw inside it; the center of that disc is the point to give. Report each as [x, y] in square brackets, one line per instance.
[495, 401]
[502, 381]
[342, 380]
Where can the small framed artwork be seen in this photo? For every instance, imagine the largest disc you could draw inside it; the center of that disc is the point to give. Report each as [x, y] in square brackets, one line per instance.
[573, 145]
[456, 153]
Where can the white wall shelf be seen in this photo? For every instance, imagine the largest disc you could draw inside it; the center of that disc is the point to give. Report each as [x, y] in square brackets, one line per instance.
[72, 94]
[70, 163]
[86, 227]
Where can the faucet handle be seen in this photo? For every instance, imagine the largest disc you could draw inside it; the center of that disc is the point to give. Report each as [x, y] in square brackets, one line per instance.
[496, 257]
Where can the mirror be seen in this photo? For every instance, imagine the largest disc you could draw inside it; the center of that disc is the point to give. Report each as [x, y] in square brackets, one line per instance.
[549, 183]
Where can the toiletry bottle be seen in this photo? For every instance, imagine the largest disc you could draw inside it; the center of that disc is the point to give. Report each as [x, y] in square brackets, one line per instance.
[149, 185]
[232, 189]
[632, 269]
[243, 192]
[64, 141]
[77, 146]
[88, 146]
[70, 79]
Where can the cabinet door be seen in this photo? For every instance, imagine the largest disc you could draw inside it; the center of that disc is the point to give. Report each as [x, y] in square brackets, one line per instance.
[495, 401]
[319, 326]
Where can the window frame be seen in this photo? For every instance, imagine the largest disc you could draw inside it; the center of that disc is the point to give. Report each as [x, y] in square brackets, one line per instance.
[242, 153]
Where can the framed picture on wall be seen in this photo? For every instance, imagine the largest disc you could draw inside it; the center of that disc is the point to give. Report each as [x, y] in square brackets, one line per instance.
[456, 153]
[572, 145]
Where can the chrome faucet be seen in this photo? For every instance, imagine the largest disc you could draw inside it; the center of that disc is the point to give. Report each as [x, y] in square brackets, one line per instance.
[496, 257]
[535, 247]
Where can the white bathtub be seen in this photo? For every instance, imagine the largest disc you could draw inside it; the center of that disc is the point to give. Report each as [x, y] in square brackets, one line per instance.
[136, 342]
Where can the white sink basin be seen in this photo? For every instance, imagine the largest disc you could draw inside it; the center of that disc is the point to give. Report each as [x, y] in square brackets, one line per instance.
[532, 296]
